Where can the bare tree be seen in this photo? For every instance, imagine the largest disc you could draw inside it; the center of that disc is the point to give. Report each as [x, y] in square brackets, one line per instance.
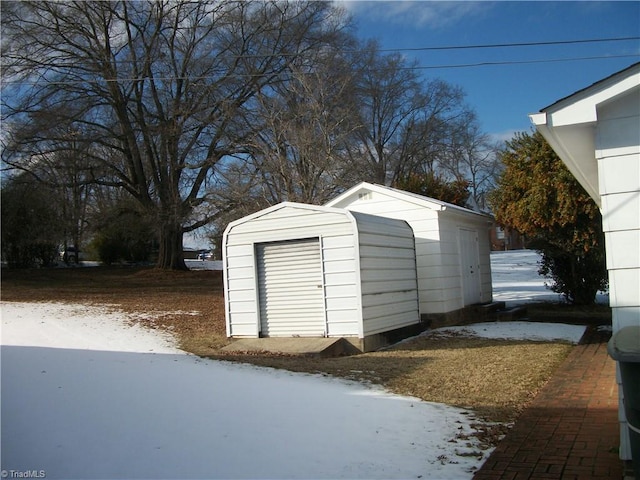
[68, 170]
[65, 172]
[472, 157]
[164, 91]
[404, 119]
[307, 121]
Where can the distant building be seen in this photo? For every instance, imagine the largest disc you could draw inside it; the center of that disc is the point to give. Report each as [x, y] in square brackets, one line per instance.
[504, 238]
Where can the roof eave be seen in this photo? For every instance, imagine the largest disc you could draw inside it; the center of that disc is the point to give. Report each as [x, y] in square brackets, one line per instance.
[420, 200]
[575, 145]
[569, 125]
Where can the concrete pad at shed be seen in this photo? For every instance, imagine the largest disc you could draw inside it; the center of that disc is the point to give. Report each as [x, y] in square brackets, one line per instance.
[304, 346]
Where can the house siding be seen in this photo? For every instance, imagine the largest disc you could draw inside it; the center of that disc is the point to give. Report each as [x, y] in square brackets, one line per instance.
[618, 160]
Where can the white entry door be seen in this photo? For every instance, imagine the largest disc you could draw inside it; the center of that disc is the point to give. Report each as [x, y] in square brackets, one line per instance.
[470, 265]
[290, 289]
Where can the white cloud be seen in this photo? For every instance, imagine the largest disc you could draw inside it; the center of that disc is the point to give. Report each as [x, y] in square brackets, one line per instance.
[503, 136]
[416, 14]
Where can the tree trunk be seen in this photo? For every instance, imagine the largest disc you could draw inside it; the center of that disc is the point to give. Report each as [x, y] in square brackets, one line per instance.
[171, 256]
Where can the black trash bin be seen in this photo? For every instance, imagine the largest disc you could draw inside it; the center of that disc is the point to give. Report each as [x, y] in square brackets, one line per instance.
[624, 347]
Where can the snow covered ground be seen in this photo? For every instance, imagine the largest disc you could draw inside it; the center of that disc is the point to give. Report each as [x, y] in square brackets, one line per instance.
[87, 393]
[204, 264]
[516, 281]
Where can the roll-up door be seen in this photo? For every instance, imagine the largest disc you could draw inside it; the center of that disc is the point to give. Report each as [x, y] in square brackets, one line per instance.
[290, 288]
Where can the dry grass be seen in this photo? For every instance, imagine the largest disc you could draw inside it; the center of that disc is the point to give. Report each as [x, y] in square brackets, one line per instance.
[193, 299]
[496, 378]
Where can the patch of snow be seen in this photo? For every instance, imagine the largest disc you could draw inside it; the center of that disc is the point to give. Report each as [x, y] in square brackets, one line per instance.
[516, 281]
[79, 327]
[84, 397]
[154, 316]
[605, 328]
[204, 264]
[534, 331]
[87, 393]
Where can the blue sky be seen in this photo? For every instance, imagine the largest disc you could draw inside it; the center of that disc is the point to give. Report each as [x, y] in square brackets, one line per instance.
[504, 95]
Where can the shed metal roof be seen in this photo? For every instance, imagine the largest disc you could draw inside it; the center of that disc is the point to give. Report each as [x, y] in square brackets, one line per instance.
[427, 202]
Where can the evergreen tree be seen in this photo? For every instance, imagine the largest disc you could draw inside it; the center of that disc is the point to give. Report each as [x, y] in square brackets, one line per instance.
[31, 223]
[434, 186]
[540, 198]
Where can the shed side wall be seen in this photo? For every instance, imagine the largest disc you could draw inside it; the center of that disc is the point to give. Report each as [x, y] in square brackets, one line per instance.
[424, 223]
[388, 274]
[450, 226]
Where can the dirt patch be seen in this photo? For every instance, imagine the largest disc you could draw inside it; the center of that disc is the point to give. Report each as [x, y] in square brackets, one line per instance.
[494, 378]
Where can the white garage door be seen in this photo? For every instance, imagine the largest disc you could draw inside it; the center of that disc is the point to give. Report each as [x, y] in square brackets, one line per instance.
[290, 289]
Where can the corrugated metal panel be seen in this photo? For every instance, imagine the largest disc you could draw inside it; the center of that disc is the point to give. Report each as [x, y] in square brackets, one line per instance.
[372, 288]
[282, 223]
[380, 325]
[290, 288]
[387, 273]
[293, 219]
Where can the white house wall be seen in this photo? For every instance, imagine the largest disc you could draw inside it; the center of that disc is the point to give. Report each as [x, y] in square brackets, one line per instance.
[618, 157]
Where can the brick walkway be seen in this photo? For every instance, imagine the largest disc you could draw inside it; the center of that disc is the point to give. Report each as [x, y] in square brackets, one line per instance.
[570, 431]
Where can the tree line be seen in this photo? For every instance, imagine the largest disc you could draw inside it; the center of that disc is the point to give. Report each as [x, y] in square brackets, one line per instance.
[129, 124]
[202, 111]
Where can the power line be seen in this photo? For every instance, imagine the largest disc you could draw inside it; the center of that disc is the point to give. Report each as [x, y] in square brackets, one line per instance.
[508, 45]
[416, 67]
[521, 62]
[446, 47]
[248, 75]
[455, 47]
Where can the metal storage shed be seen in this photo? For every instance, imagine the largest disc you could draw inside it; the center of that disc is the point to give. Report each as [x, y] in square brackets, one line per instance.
[312, 271]
[452, 247]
